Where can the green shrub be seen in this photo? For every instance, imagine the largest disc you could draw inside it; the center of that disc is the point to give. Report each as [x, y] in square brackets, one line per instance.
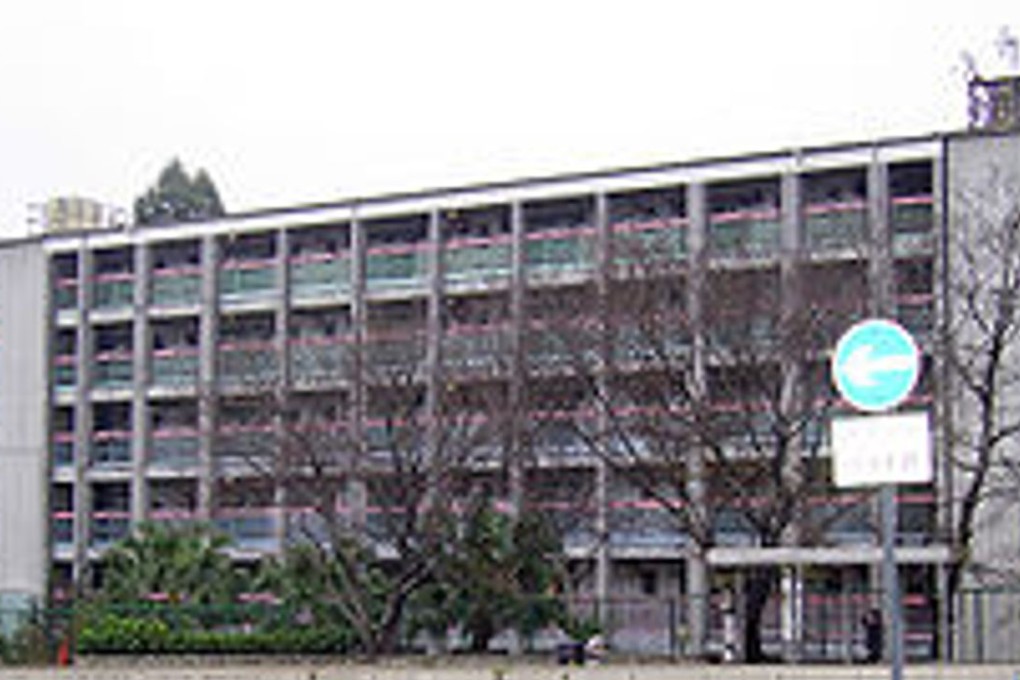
[113, 634]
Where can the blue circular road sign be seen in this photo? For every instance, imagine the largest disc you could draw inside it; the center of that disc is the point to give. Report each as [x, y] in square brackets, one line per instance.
[876, 365]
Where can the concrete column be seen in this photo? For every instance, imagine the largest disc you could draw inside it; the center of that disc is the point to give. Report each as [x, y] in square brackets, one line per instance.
[696, 568]
[517, 369]
[140, 373]
[603, 558]
[207, 377]
[281, 319]
[83, 420]
[356, 491]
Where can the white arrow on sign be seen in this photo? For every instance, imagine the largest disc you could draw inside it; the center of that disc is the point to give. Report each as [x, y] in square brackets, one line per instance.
[861, 367]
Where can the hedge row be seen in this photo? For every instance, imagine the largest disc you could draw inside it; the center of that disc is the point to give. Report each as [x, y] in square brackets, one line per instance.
[132, 635]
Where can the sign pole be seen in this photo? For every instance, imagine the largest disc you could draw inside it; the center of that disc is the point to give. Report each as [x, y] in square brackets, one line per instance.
[890, 580]
[875, 367]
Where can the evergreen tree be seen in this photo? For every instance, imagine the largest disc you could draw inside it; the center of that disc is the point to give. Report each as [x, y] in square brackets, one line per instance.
[179, 197]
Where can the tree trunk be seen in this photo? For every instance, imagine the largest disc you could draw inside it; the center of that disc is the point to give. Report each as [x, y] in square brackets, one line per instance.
[758, 586]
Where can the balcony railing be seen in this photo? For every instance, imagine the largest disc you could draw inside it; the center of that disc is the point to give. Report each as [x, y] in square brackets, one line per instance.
[747, 233]
[255, 530]
[175, 448]
[180, 287]
[320, 276]
[108, 527]
[244, 445]
[65, 373]
[113, 370]
[63, 449]
[664, 342]
[62, 528]
[835, 226]
[322, 359]
[473, 348]
[113, 291]
[564, 344]
[111, 449]
[560, 249]
[912, 225]
[400, 351]
[175, 367]
[252, 363]
[247, 281]
[396, 267]
[65, 294]
[477, 259]
[647, 242]
[916, 313]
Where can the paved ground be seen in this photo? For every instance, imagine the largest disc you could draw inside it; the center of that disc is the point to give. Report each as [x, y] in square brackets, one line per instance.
[498, 669]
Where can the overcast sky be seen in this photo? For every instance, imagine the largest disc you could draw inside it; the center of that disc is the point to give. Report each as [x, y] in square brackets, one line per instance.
[306, 100]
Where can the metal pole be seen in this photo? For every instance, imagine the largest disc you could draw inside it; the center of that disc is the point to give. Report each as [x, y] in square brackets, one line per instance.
[891, 581]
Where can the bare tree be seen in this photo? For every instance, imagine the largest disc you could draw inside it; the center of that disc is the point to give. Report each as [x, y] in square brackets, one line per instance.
[979, 344]
[712, 403]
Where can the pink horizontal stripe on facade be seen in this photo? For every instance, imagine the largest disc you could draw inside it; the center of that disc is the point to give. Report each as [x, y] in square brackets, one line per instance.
[114, 277]
[740, 215]
[399, 248]
[189, 270]
[478, 241]
[661, 224]
[174, 352]
[834, 207]
[560, 232]
[320, 257]
[920, 199]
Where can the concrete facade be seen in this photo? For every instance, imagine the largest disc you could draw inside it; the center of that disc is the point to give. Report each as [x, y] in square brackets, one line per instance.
[24, 331]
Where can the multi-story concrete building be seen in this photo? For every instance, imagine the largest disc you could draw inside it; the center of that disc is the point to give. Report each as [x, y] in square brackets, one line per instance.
[121, 350]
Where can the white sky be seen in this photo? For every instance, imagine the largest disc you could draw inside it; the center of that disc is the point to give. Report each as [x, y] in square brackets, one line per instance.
[306, 100]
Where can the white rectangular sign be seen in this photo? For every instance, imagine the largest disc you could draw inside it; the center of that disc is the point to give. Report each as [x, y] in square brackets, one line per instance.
[893, 448]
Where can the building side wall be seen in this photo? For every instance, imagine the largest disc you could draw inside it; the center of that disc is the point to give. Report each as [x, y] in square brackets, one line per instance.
[983, 190]
[23, 389]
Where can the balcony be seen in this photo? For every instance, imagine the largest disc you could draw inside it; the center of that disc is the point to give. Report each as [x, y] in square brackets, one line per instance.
[244, 446]
[912, 225]
[744, 233]
[175, 448]
[835, 226]
[243, 281]
[113, 291]
[113, 370]
[247, 363]
[317, 276]
[559, 434]
[395, 351]
[62, 451]
[319, 359]
[664, 342]
[175, 367]
[254, 530]
[65, 374]
[560, 250]
[916, 313]
[65, 295]
[566, 344]
[62, 529]
[111, 450]
[644, 525]
[108, 527]
[649, 242]
[477, 260]
[483, 348]
[397, 267]
[176, 287]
